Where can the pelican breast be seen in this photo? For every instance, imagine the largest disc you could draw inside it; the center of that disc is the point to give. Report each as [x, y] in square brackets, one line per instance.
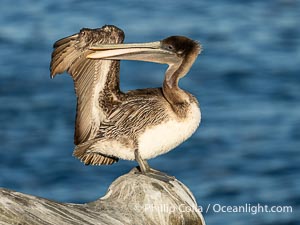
[161, 138]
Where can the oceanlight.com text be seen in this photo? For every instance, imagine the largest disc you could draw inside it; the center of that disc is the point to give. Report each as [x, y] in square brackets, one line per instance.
[248, 208]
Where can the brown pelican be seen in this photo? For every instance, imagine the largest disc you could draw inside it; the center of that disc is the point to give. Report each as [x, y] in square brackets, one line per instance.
[137, 125]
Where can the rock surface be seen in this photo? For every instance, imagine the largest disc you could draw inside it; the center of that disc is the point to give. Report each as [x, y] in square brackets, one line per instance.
[131, 199]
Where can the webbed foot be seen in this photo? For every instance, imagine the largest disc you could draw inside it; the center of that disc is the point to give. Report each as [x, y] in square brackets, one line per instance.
[145, 169]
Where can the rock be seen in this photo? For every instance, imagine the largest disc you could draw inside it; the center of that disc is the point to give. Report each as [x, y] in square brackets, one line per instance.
[133, 198]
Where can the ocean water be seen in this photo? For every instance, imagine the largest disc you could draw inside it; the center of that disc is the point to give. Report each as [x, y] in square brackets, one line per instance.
[247, 80]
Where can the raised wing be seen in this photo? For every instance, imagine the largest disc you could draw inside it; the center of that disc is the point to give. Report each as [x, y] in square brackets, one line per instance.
[94, 80]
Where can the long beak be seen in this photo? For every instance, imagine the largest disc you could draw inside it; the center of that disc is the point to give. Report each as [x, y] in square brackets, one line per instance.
[149, 52]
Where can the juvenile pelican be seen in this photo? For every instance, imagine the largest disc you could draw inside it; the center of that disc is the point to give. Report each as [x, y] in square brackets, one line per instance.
[137, 125]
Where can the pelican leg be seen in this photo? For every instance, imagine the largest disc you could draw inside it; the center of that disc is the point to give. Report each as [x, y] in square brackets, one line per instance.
[144, 166]
[148, 171]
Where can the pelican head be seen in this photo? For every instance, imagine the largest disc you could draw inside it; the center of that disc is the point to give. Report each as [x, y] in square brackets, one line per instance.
[172, 50]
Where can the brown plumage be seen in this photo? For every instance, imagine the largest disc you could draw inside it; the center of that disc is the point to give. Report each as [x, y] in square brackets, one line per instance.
[70, 55]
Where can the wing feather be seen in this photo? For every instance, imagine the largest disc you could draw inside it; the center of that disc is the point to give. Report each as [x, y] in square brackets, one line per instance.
[92, 78]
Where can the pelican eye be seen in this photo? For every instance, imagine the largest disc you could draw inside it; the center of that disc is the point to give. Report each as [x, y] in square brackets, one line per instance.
[170, 47]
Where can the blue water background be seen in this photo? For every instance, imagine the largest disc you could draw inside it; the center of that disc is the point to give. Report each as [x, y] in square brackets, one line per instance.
[247, 80]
